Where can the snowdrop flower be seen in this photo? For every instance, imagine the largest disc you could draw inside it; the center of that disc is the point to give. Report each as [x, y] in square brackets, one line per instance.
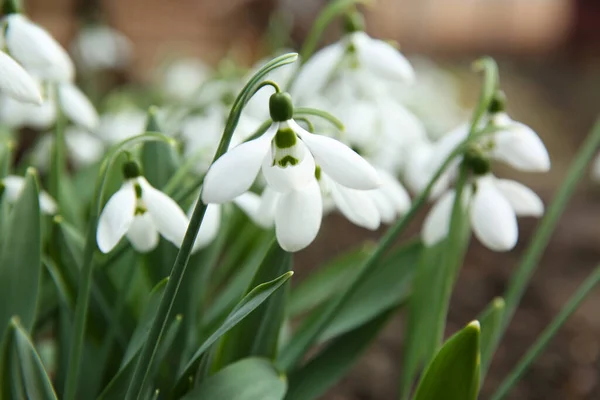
[16, 82]
[76, 106]
[36, 50]
[493, 206]
[356, 50]
[16, 114]
[140, 212]
[288, 156]
[102, 47]
[11, 187]
[182, 79]
[115, 127]
[210, 226]
[83, 148]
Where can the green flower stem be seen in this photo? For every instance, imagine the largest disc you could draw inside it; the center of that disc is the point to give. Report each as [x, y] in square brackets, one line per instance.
[85, 273]
[544, 339]
[542, 236]
[320, 113]
[148, 351]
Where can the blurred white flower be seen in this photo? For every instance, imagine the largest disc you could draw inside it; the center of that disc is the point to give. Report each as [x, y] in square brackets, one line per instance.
[209, 227]
[36, 50]
[76, 106]
[114, 127]
[83, 148]
[11, 187]
[16, 114]
[102, 47]
[140, 212]
[16, 82]
[493, 206]
[182, 79]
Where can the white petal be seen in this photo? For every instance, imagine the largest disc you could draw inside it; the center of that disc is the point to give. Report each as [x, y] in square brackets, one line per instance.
[13, 186]
[16, 82]
[209, 228]
[47, 204]
[493, 220]
[84, 148]
[76, 106]
[524, 201]
[298, 217]
[234, 172]
[437, 222]
[36, 50]
[384, 206]
[292, 177]
[142, 233]
[394, 191]
[116, 217]
[520, 147]
[356, 205]
[169, 218]
[340, 162]
[317, 70]
[381, 58]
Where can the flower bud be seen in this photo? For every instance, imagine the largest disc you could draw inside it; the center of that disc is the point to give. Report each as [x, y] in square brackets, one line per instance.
[131, 170]
[281, 107]
[354, 22]
[11, 7]
[498, 103]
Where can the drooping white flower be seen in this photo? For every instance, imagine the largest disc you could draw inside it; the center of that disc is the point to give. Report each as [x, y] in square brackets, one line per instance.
[83, 148]
[209, 227]
[16, 114]
[493, 206]
[16, 82]
[114, 127]
[140, 212]
[76, 106]
[36, 50]
[116, 53]
[11, 187]
[288, 156]
[182, 79]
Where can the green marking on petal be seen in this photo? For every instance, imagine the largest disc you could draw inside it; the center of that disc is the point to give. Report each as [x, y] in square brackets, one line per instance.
[285, 138]
[287, 160]
[318, 172]
[138, 190]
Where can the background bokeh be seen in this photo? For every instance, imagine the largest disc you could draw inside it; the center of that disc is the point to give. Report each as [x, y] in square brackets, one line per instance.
[549, 57]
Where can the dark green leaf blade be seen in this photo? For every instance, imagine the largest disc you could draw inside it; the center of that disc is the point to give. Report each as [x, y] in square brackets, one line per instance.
[248, 379]
[453, 374]
[21, 258]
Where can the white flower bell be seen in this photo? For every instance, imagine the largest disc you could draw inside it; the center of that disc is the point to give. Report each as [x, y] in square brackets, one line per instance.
[36, 50]
[140, 212]
[11, 187]
[287, 155]
[16, 82]
[493, 206]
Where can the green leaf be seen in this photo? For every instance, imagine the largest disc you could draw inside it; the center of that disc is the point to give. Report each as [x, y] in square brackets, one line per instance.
[141, 331]
[21, 258]
[258, 333]
[248, 379]
[326, 281]
[248, 304]
[491, 321]
[35, 378]
[117, 388]
[387, 285]
[332, 363]
[454, 372]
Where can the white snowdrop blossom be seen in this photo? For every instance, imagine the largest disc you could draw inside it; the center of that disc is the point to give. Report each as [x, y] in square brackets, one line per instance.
[142, 213]
[288, 157]
[492, 205]
[102, 47]
[114, 127]
[512, 143]
[76, 106]
[36, 50]
[209, 227]
[181, 79]
[16, 114]
[83, 148]
[16, 82]
[12, 186]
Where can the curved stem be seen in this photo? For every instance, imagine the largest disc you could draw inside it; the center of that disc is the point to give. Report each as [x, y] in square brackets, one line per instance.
[148, 351]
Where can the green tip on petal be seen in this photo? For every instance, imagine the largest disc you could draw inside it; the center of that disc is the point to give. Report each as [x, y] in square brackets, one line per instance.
[11, 7]
[499, 302]
[281, 107]
[152, 120]
[285, 138]
[58, 219]
[31, 172]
